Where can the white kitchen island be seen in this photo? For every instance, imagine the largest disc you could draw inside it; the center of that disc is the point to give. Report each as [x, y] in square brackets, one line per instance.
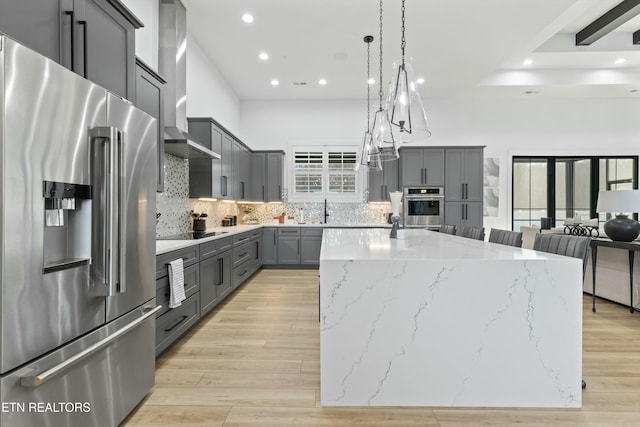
[441, 320]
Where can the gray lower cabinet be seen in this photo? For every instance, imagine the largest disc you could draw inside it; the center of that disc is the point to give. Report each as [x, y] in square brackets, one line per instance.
[171, 323]
[463, 214]
[94, 38]
[215, 272]
[310, 243]
[212, 270]
[269, 246]
[150, 99]
[384, 181]
[422, 166]
[289, 245]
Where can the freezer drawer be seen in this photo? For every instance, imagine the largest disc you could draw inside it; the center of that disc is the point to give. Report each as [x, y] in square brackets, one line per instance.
[98, 390]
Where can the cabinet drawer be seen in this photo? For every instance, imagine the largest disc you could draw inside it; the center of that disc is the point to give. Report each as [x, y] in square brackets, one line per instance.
[256, 234]
[241, 254]
[242, 273]
[209, 249]
[312, 232]
[241, 238]
[289, 231]
[191, 286]
[190, 256]
[176, 321]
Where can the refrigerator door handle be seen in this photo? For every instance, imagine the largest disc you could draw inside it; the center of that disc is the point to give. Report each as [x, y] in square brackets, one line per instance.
[105, 179]
[122, 225]
[49, 374]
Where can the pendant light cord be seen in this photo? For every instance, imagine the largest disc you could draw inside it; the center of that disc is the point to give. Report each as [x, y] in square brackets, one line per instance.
[368, 40]
[404, 41]
[380, 92]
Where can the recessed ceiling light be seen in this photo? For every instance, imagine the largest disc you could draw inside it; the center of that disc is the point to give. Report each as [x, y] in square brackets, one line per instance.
[264, 56]
[371, 81]
[527, 61]
[322, 82]
[633, 90]
[248, 18]
[420, 80]
[275, 82]
[531, 92]
[620, 61]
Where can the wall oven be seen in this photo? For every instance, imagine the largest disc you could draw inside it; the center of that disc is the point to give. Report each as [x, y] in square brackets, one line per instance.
[423, 207]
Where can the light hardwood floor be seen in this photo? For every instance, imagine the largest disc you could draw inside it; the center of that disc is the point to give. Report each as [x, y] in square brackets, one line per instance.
[254, 361]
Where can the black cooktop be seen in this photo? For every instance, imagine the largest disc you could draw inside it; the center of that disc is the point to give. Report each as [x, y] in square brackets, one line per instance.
[192, 235]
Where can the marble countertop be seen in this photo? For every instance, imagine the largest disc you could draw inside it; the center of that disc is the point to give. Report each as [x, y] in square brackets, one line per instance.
[375, 244]
[164, 246]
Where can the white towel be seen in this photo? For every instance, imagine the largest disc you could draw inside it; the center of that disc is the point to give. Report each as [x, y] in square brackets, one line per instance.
[176, 283]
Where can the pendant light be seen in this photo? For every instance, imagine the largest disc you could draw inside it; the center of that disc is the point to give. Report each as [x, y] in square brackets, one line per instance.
[381, 133]
[407, 112]
[369, 156]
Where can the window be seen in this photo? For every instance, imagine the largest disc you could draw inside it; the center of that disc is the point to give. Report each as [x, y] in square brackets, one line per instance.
[325, 172]
[563, 187]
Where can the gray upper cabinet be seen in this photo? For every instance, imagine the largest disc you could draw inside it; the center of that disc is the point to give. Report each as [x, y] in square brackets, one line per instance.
[210, 177]
[464, 174]
[422, 166]
[241, 171]
[37, 24]
[150, 99]
[274, 169]
[258, 176]
[384, 181]
[94, 38]
[106, 51]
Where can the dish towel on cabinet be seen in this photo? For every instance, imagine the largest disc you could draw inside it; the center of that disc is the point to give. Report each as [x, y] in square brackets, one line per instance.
[176, 283]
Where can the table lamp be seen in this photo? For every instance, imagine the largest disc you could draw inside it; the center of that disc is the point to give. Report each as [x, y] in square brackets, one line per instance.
[621, 228]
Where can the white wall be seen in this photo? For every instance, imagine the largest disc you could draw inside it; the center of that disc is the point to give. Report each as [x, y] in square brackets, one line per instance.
[146, 11]
[208, 93]
[507, 127]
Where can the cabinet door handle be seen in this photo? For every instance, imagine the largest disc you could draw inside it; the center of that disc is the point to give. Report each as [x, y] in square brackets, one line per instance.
[263, 192]
[243, 254]
[425, 175]
[72, 21]
[220, 271]
[172, 327]
[298, 246]
[466, 191]
[279, 192]
[84, 47]
[242, 185]
[274, 238]
[462, 206]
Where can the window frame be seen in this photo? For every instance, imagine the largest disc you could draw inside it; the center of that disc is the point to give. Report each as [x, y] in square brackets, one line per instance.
[351, 197]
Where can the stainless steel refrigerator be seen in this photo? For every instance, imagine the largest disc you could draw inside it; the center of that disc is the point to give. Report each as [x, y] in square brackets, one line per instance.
[77, 228]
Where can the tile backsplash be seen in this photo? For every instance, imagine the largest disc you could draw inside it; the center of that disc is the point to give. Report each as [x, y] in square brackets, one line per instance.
[174, 206]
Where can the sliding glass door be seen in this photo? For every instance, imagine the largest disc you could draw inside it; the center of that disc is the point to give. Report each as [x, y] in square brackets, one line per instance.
[565, 187]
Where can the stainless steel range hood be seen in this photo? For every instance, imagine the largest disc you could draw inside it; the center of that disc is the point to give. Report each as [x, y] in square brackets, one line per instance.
[172, 63]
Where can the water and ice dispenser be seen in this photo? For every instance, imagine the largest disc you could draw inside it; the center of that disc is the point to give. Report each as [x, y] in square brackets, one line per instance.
[67, 230]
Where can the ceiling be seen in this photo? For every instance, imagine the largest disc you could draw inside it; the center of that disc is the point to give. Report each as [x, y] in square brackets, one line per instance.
[462, 48]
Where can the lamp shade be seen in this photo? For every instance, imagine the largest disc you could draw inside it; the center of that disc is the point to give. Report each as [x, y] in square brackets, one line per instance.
[618, 201]
[621, 228]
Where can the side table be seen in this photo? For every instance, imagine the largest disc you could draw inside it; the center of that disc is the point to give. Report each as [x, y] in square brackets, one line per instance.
[632, 247]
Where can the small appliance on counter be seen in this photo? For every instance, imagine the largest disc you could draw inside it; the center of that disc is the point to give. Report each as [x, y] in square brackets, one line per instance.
[230, 221]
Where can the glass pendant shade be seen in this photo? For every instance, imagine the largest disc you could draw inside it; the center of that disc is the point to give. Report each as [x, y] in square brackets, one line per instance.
[407, 112]
[382, 137]
[369, 156]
